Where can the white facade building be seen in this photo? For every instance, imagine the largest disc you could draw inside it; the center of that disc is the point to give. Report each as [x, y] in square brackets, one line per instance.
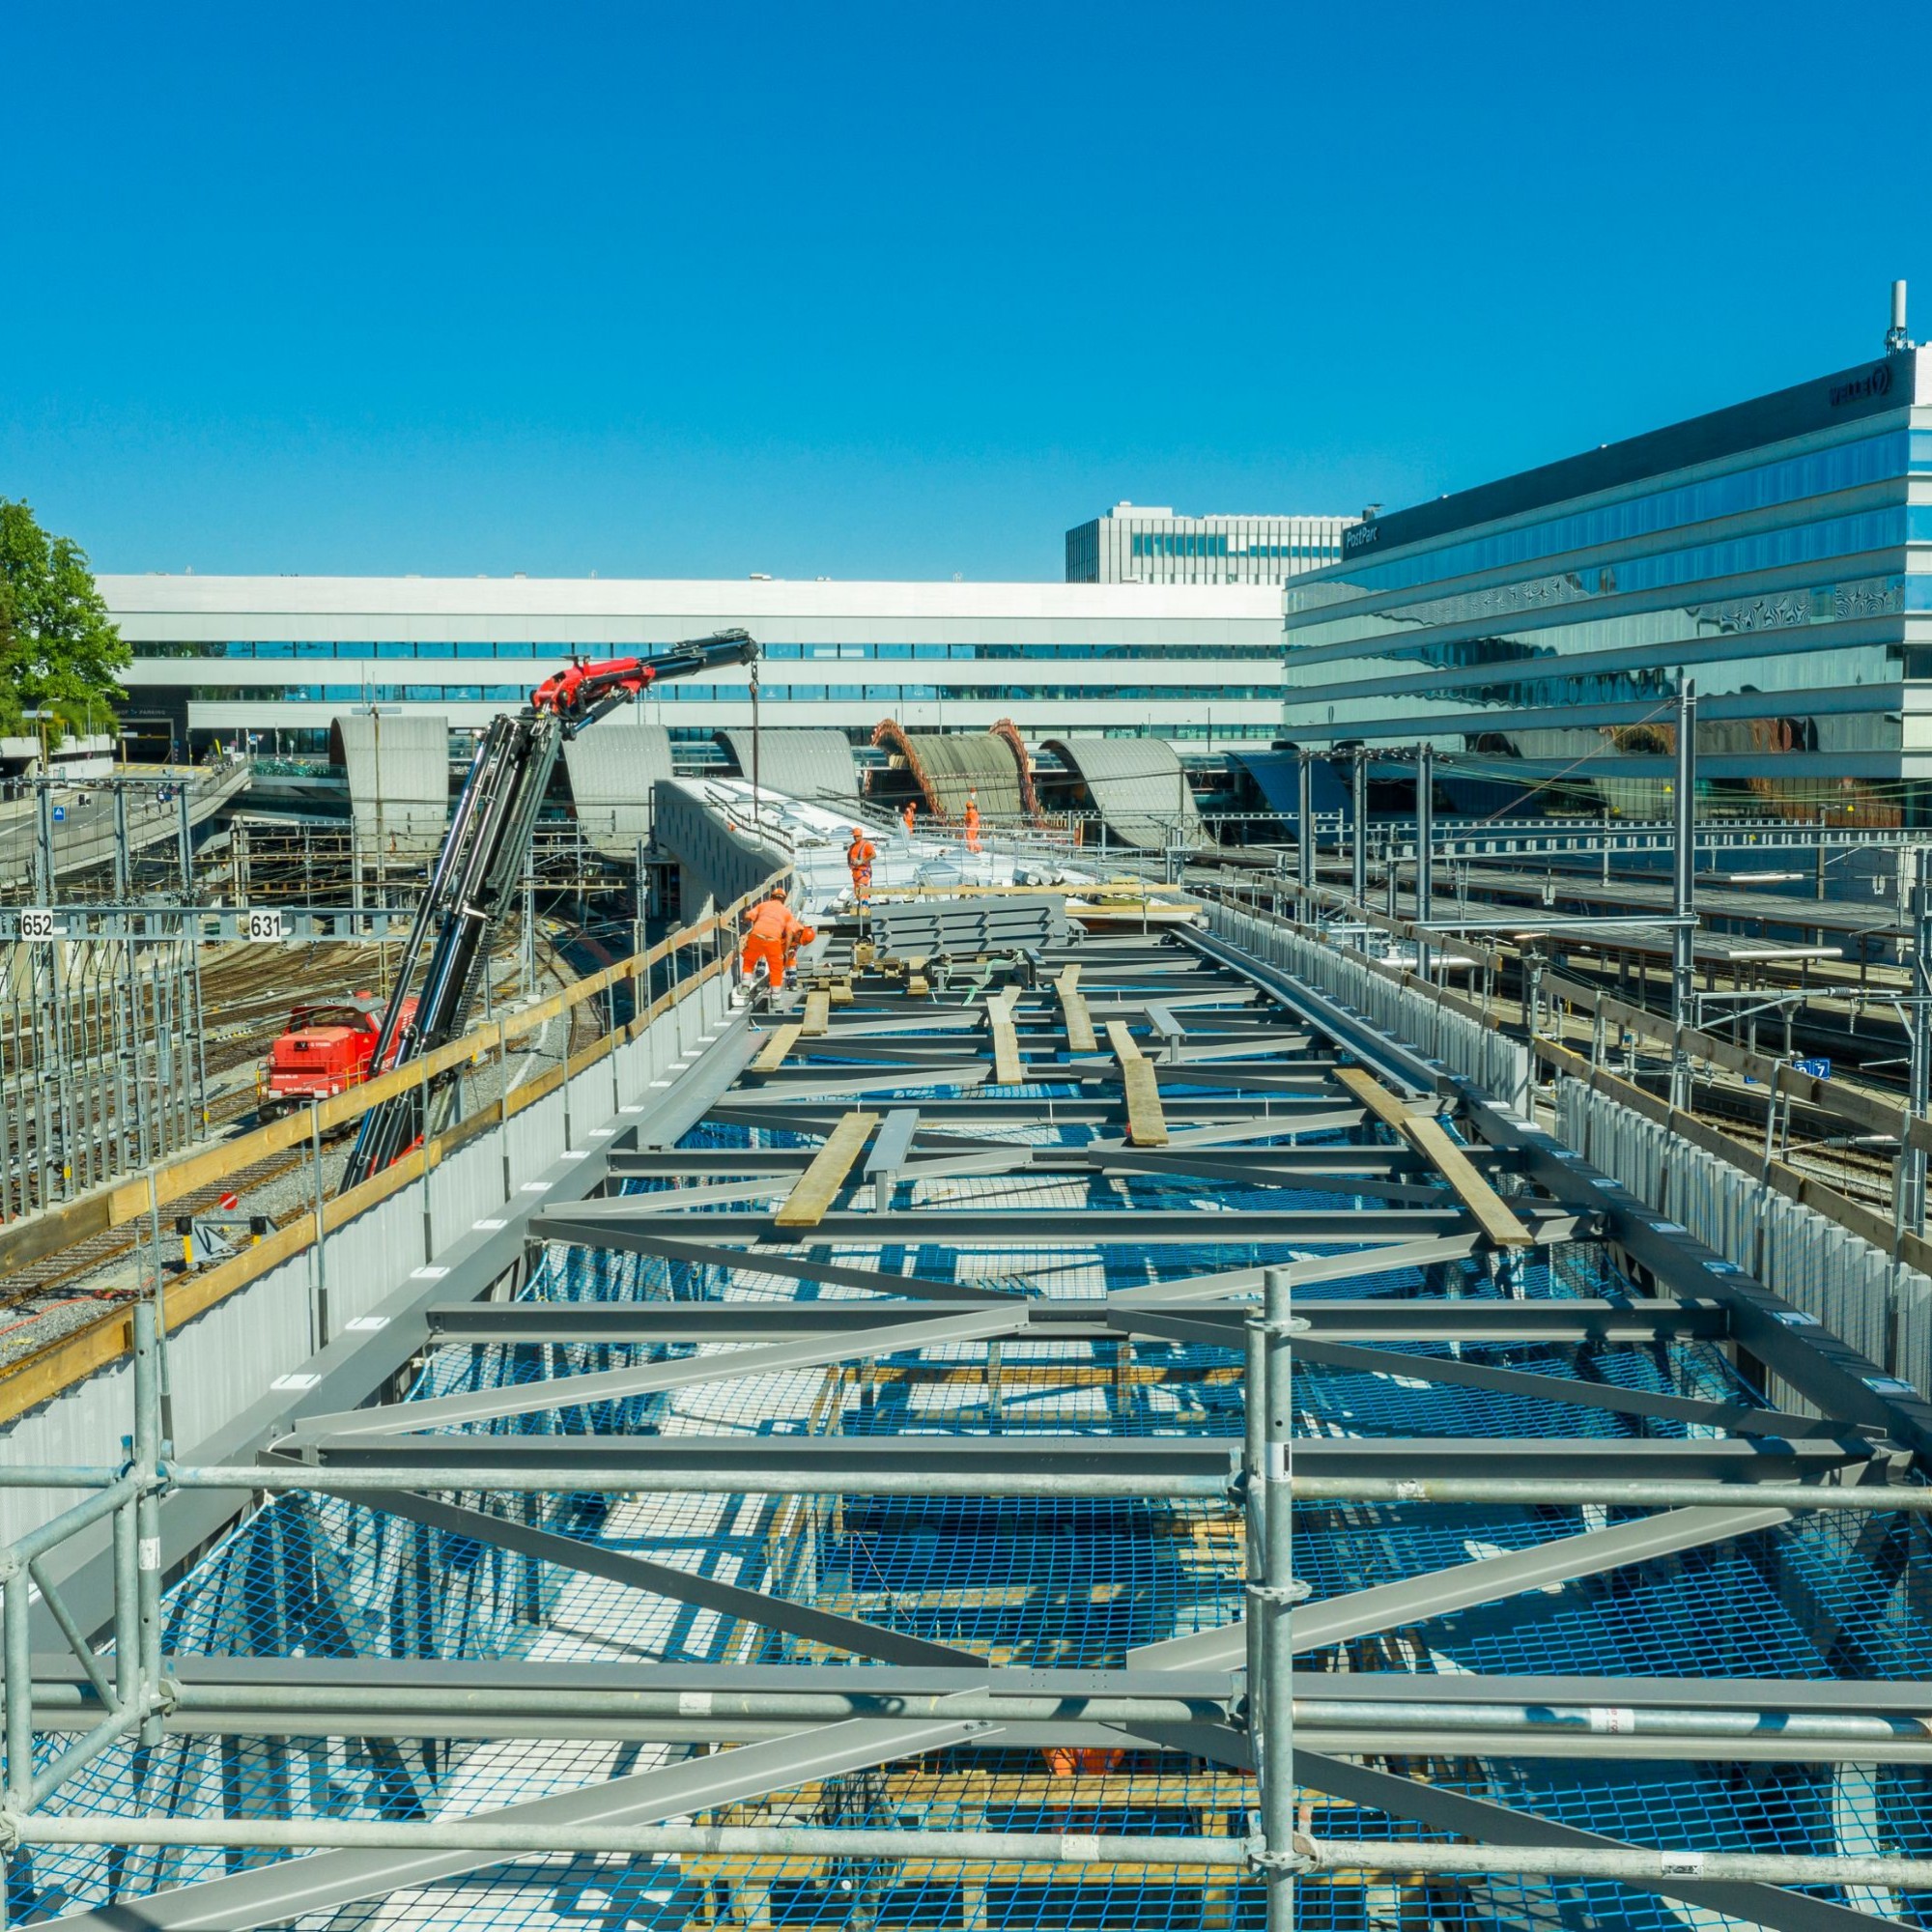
[1134, 543]
[284, 655]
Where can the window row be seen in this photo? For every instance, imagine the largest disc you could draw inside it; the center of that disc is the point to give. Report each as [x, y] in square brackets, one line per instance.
[264, 649]
[1875, 459]
[1734, 557]
[1393, 638]
[886, 695]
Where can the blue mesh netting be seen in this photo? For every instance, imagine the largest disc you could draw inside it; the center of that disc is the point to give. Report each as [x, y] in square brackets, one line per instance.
[1077, 1582]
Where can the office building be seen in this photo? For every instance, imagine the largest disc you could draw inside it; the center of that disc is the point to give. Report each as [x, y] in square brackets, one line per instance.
[1538, 629]
[282, 656]
[1133, 544]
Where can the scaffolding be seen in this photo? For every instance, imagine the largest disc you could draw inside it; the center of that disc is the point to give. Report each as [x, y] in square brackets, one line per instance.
[1145, 1448]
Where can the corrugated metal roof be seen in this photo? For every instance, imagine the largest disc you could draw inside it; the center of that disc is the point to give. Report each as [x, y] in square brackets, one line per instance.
[949, 764]
[1136, 784]
[612, 767]
[801, 764]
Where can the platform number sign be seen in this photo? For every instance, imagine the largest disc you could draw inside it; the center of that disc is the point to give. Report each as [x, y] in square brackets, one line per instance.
[40, 926]
[266, 925]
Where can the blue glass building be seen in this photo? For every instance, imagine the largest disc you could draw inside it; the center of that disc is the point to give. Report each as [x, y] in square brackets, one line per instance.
[1537, 630]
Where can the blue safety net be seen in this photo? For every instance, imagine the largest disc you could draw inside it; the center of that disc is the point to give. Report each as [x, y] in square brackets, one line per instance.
[1075, 1582]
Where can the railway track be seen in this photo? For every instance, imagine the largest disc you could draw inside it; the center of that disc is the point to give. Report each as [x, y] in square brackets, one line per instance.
[112, 1266]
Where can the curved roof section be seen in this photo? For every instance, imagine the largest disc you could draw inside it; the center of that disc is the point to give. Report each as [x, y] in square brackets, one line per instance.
[398, 768]
[947, 766]
[1138, 786]
[817, 766]
[612, 766]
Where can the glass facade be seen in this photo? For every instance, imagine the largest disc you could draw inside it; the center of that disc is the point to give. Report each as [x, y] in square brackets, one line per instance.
[1132, 543]
[217, 656]
[1788, 573]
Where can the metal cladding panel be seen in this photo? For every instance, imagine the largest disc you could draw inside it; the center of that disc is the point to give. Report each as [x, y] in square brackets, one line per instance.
[720, 861]
[398, 768]
[812, 765]
[1136, 784]
[612, 767]
[910, 927]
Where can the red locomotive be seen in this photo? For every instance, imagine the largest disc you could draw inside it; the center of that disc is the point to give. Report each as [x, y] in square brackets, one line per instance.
[327, 1049]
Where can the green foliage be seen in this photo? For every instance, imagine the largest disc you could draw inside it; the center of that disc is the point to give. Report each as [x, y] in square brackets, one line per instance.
[58, 650]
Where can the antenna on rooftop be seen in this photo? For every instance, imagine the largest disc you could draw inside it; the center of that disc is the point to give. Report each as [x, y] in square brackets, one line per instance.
[1895, 337]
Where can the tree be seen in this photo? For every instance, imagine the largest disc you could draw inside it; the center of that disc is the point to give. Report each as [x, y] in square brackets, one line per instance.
[59, 650]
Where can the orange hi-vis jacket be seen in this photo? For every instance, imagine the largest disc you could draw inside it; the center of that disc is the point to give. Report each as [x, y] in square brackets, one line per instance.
[776, 933]
[860, 854]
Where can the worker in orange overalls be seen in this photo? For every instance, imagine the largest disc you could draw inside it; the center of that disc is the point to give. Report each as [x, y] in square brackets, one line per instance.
[972, 821]
[859, 857]
[774, 938]
[907, 816]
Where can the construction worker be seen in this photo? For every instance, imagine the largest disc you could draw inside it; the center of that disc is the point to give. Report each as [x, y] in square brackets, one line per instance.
[774, 938]
[972, 821]
[859, 857]
[907, 816]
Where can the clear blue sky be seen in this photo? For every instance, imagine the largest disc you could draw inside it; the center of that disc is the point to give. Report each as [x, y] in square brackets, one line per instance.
[901, 291]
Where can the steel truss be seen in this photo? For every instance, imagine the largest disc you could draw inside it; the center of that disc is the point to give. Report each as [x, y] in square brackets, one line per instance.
[1244, 1063]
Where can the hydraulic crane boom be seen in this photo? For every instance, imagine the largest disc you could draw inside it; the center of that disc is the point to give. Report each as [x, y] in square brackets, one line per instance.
[477, 871]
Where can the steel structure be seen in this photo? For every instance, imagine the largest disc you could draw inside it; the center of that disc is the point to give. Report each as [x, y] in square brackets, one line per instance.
[1141, 1448]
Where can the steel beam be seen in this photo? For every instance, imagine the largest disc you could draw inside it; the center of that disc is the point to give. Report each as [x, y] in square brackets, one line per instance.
[1439, 1593]
[1570, 1391]
[1485, 1823]
[573, 1391]
[293, 1888]
[668, 1579]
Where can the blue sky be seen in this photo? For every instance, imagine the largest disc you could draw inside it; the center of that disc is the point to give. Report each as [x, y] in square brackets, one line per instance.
[896, 291]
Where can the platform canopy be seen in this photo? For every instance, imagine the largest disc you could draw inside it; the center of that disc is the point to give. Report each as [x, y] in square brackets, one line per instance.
[1138, 786]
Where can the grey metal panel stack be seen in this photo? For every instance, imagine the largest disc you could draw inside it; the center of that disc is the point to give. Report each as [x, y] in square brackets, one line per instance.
[613, 767]
[398, 768]
[996, 922]
[814, 765]
[1138, 787]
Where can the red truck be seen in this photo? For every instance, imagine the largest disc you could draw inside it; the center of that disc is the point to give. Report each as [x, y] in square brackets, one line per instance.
[325, 1049]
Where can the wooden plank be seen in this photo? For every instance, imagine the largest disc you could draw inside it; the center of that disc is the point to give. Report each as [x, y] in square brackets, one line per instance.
[1147, 1123]
[1070, 977]
[1430, 1140]
[816, 1189]
[1008, 1069]
[1074, 1016]
[776, 1047]
[817, 1013]
[1364, 1087]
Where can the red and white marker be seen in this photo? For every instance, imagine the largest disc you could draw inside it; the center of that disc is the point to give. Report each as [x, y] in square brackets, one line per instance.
[229, 1202]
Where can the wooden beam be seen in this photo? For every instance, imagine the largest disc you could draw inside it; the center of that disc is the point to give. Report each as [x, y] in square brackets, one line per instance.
[1147, 1123]
[1009, 1071]
[1073, 1013]
[776, 1047]
[1428, 1137]
[817, 1187]
[817, 1015]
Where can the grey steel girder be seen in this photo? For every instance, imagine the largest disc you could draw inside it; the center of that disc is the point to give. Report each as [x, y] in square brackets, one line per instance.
[1482, 1822]
[572, 1391]
[292, 1887]
[1437, 1593]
